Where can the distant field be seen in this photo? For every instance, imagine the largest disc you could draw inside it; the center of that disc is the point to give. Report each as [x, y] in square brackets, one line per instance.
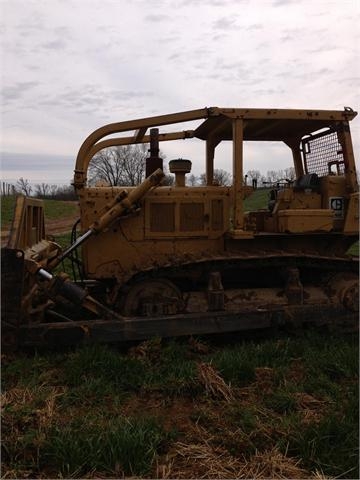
[257, 200]
[54, 209]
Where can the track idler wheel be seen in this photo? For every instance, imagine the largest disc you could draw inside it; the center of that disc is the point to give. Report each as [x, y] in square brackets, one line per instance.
[346, 289]
[153, 297]
[350, 297]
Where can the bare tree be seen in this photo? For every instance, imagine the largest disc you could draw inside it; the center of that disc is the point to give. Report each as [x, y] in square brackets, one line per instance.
[290, 173]
[221, 177]
[274, 176]
[65, 192]
[168, 180]
[23, 185]
[53, 190]
[192, 180]
[254, 175]
[123, 165]
[42, 190]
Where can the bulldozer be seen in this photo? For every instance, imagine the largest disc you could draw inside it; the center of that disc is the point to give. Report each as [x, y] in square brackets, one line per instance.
[156, 260]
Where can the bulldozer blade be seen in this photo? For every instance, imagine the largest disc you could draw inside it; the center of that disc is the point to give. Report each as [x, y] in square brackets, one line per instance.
[12, 277]
[142, 328]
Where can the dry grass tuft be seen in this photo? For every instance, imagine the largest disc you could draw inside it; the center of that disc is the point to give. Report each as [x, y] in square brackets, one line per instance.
[148, 350]
[296, 372]
[265, 379]
[47, 412]
[17, 398]
[199, 461]
[198, 347]
[203, 460]
[320, 476]
[312, 408]
[16, 473]
[214, 384]
[273, 464]
[306, 401]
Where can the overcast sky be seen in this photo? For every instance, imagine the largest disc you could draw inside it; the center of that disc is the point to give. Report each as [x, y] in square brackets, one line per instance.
[70, 66]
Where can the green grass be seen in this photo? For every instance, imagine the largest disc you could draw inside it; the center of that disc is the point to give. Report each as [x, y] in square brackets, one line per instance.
[257, 200]
[7, 209]
[100, 410]
[105, 365]
[238, 364]
[114, 446]
[281, 401]
[97, 409]
[63, 240]
[54, 209]
[332, 443]
[354, 250]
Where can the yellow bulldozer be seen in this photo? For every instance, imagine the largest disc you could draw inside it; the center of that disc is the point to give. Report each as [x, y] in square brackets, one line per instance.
[155, 260]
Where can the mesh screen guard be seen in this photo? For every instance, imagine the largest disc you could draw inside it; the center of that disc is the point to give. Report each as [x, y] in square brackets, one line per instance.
[321, 152]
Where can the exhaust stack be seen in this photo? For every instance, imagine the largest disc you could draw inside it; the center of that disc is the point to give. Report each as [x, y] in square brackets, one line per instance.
[153, 162]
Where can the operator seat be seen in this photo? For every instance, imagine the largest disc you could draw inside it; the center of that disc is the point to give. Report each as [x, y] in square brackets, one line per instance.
[310, 181]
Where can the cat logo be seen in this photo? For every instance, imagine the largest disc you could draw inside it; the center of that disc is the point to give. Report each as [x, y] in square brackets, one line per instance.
[337, 205]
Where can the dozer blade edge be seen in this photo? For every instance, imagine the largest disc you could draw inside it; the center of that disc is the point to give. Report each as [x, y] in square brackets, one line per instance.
[142, 328]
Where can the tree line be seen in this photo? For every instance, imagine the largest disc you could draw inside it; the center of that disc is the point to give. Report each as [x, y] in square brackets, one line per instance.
[44, 190]
[125, 166]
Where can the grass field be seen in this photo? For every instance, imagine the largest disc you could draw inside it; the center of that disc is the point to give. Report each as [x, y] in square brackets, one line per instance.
[258, 199]
[280, 408]
[285, 407]
[54, 209]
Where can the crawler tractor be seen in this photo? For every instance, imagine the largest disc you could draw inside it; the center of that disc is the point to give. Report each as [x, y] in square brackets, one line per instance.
[155, 260]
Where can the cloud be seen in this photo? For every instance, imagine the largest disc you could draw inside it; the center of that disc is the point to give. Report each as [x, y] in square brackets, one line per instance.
[33, 26]
[90, 98]
[51, 168]
[321, 49]
[68, 68]
[15, 161]
[15, 92]
[255, 26]
[57, 44]
[157, 18]
[175, 56]
[224, 23]
[287, 38]
[219, 36]
[269, 91]
[284, 3]
[211, 3]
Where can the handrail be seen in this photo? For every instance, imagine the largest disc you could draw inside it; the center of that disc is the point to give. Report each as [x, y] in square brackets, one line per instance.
[89, 146]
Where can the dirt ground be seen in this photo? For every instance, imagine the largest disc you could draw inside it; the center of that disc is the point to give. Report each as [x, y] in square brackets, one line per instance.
[52, 227]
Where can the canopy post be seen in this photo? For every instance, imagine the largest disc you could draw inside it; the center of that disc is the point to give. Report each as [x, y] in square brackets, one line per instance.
[237, 134]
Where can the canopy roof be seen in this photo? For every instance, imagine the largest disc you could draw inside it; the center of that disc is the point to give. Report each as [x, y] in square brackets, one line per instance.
[270, 124]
